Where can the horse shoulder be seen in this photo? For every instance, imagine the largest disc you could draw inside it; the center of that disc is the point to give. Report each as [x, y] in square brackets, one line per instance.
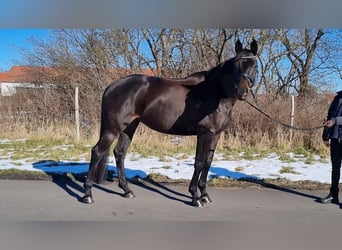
[219, 120]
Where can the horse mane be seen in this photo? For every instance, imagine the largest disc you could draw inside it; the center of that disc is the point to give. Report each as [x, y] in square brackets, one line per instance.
[211, 74]
[199, 73]
[226, 66]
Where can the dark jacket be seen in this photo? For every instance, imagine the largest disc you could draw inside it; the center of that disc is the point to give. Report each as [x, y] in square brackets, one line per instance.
[332, 113]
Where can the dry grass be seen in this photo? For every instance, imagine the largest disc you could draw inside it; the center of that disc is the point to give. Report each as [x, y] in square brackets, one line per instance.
[25, 118]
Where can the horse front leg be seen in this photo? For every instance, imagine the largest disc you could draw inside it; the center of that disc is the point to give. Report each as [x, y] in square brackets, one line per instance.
[206, 144]
[196, 201]
[209, 155]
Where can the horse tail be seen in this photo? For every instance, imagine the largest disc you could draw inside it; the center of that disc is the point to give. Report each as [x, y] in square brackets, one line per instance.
[101, 172]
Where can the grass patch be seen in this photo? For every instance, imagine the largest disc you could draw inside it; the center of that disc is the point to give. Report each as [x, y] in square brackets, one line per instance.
[300, 151]
[286, 158]
[157, 177]
[239, 169]
[23, 175]
[288, 170]
[165, 159]
[161, 146]
[323, 160]
[34, 150]
[134, 157]
[230, 155]
[309, 160]
[166, 167]
[250, 153]
[17, 163]
[182, 156]
[254, 153]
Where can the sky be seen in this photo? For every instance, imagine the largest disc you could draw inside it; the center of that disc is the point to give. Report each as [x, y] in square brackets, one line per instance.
[12, 39]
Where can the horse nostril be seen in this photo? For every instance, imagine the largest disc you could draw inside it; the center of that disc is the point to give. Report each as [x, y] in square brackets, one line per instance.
[242, 93]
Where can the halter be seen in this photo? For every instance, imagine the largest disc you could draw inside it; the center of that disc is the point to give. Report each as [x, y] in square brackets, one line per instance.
[247, 77]
[247, 57]
[244, 75]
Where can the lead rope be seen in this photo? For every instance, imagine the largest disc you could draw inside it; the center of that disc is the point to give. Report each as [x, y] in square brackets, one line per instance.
[276, 120]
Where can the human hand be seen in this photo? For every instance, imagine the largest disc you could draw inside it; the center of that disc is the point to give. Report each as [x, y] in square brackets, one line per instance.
[330, 123]
[327, 143]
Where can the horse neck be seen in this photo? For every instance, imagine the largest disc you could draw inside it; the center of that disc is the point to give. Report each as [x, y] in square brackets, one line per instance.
[225, 66]
[222, 77]
[194, 78]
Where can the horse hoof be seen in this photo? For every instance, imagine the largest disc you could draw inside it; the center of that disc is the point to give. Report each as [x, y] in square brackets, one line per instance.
[87, 199]
[129, 195]
[206, 199]
[197, 203]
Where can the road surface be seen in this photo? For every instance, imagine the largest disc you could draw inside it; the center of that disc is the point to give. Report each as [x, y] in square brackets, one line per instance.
[49, 201]
[160, 217]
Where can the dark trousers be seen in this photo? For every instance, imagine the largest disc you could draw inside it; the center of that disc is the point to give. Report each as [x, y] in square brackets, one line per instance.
[336, 157]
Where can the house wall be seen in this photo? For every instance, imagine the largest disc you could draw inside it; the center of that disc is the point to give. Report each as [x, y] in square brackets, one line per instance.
[10, 88]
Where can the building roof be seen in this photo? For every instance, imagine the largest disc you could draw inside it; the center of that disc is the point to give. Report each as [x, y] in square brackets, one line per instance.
[15, 74]
[25, 74]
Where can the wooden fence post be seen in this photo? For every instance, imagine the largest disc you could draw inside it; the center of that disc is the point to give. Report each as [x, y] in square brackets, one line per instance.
[292, 116]
[77, 114]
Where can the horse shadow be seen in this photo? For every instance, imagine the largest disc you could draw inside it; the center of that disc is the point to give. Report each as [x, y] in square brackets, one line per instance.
[162, 189]
[223, 172]
[70, 177]
[216, 172]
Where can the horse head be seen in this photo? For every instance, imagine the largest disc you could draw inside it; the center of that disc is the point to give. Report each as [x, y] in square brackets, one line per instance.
[245, 68]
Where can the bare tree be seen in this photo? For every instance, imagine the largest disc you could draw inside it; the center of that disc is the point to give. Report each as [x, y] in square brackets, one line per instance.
[289, 60]
[301, 47]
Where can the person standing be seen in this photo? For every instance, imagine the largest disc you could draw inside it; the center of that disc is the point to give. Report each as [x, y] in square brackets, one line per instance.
[332, 137]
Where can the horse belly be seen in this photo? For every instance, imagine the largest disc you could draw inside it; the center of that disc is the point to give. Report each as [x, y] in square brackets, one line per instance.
[162, 115]
[162, 127]
[159, 119]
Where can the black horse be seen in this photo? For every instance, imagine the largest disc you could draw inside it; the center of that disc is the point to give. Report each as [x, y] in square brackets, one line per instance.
[197, 105]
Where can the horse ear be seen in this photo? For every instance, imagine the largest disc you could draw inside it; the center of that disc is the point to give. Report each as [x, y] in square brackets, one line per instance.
[254, 47]
[238, 46]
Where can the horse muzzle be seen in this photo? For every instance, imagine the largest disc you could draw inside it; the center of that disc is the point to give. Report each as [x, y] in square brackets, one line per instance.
[243, 88]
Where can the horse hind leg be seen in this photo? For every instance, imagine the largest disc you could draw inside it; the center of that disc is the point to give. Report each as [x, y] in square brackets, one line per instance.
[98, 160]
[120, 152]
[101, 172]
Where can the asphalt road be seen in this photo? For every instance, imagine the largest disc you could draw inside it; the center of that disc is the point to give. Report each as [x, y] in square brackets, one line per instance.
[160, 217]
[49, 201]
